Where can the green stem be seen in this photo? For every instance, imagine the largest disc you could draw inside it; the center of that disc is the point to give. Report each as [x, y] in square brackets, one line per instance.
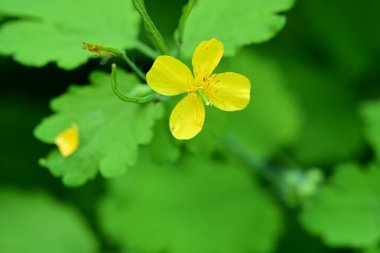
[268, 173]
[182, 21]
[133, 66]
[152, 29]
[136, 100]
[101, 49]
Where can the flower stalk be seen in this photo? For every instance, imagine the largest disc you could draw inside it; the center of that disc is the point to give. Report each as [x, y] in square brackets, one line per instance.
[182, 21]
[151, 27]
[150, 96]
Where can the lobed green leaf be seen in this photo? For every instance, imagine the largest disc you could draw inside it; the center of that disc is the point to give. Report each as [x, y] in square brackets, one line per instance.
[53, 31]
[345, 213]
[194, 205]
[110, 130]
[239, 23]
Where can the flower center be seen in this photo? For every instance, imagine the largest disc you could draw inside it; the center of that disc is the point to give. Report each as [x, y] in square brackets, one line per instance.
[202, 86]
[203, 96]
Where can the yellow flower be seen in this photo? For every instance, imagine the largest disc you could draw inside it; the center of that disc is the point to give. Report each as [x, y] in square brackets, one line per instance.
[227, 91]
[68, 141]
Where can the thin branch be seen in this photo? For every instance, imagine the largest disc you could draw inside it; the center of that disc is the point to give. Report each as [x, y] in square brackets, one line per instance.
[99, 49]
[137, 100]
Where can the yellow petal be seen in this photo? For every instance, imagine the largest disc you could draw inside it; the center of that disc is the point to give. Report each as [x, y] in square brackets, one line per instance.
[187, 117]
[168, 76]
[206, 57]
[229, 91]
[68, 141]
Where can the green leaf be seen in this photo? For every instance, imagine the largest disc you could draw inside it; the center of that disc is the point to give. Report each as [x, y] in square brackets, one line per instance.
[53, 31]
[272, 118]
[163, 147]
[345, 212]
[209, 139]
[374, 250]
[33, 222]
[331, 130]
[110, 130]
[371, 115]
[234, 23]
[194, 205]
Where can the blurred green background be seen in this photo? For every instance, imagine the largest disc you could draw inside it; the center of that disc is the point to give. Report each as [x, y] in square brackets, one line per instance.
[297, 171]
